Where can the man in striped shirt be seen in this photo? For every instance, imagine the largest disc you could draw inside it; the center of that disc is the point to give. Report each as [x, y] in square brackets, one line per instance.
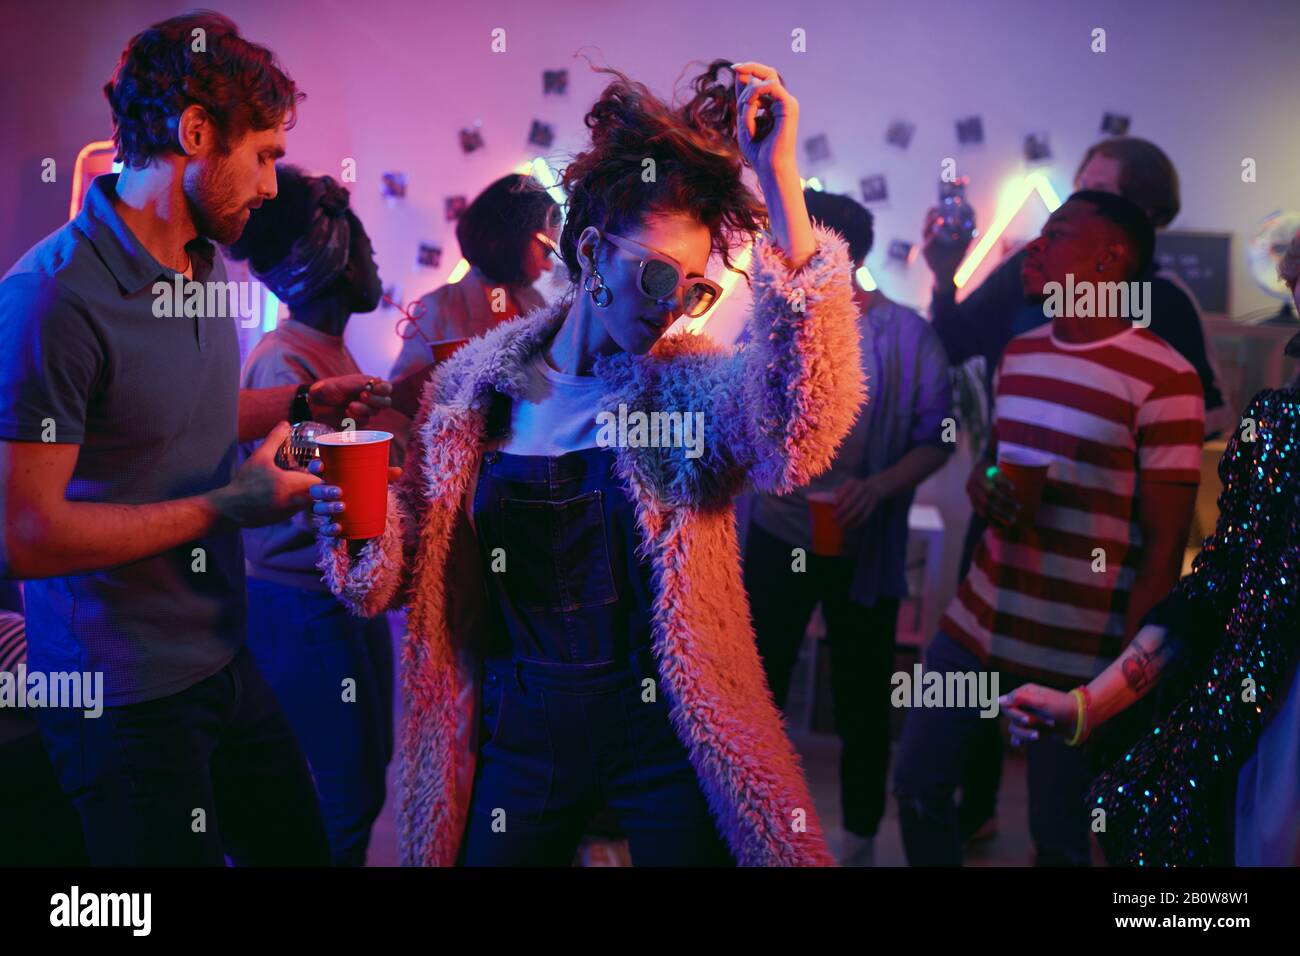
[1118, 416]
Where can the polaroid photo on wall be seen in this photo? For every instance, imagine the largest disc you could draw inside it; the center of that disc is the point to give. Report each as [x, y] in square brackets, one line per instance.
[817, 148]
[541, 134]
[393, 186]
[900, 133]
[900, 252]
[874, 189]
[471, 139]
[1037, 148]
[970, 131]
[555, 82]
[429, 255]
[1115, 124]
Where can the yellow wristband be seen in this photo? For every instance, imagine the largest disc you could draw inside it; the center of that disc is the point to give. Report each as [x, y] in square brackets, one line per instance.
[1080, 717]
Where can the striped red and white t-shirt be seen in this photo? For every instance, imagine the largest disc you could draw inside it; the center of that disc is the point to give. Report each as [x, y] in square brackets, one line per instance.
[1036, 602]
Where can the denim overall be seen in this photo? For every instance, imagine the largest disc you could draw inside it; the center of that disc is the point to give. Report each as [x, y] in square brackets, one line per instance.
[566, 732]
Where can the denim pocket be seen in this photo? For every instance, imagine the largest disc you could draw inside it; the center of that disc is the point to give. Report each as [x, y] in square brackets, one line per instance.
[557, 553]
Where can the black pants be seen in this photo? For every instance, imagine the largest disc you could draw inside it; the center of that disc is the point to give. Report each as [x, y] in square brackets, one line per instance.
[862, 660]
[188, 779]
[38, 827]
[982, 775]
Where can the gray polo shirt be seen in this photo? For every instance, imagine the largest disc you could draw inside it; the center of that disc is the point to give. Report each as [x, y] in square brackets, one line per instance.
[153, 403]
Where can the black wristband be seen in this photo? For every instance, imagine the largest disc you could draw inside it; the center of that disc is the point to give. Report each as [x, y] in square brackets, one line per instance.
[300, 408]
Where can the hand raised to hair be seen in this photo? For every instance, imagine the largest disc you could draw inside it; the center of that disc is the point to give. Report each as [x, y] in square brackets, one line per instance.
[759, 88]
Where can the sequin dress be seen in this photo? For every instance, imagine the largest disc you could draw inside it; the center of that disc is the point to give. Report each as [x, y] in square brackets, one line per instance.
[1236, 616]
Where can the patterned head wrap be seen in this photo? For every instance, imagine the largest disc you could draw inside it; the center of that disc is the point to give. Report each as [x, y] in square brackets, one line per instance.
[320, 254]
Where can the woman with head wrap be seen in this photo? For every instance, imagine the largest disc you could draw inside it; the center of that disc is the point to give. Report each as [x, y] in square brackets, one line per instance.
[311, 250]
[1216, 779]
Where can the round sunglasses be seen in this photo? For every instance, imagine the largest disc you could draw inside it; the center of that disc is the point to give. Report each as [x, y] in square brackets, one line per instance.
[662, 279]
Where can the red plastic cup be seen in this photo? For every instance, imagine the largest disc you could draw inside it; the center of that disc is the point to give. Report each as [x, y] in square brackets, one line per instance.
[445, 350]
[1027, 470]
[357, 461]
[827, 533]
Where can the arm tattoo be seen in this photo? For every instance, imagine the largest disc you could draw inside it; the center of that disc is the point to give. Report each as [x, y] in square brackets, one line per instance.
[1143, 664]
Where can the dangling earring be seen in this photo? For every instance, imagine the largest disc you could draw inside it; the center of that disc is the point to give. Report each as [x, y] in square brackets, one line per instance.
[600, 293]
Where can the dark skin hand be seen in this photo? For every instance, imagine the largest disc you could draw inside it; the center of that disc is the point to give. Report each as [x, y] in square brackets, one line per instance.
[993, 498]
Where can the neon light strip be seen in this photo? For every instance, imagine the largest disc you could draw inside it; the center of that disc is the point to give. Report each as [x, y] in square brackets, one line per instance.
[458, 273]
[270, 310]
[1014, 197]
[74, 207]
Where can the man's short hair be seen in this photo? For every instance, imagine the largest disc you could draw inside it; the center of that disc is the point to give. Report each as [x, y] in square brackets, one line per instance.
[197, 59]
[846, 216]
[1130, 218]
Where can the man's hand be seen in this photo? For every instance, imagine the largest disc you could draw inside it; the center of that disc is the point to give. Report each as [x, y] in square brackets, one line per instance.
[262, 493]
[855, 500]
[992, 495]
[348, 396]
[943, 258]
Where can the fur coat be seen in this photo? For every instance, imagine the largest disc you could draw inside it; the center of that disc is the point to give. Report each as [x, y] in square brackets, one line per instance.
[775, 411]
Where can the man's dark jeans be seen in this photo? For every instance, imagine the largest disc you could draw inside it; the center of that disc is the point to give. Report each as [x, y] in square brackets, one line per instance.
[861, 643]
[308, 644]
[933, 753]
[189, 779]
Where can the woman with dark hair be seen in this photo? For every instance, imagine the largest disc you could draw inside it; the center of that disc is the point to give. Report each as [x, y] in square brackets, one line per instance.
[581, 577]
[507, 235]
[309, 248]
[1215, 780]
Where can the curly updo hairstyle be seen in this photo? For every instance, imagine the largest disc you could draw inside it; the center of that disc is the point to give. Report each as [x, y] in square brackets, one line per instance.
[160, 74]
[697, 165]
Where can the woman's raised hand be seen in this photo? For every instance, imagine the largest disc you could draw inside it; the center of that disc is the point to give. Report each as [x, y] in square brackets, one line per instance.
[759, 88]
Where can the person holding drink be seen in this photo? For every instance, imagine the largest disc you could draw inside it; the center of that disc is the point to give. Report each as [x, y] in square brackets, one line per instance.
[578, 625]
[119, 434]
[851, 524]
[1088, 488]
[311, 250]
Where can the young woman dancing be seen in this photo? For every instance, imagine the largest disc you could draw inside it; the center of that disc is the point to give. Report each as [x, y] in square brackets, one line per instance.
[584, 588]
